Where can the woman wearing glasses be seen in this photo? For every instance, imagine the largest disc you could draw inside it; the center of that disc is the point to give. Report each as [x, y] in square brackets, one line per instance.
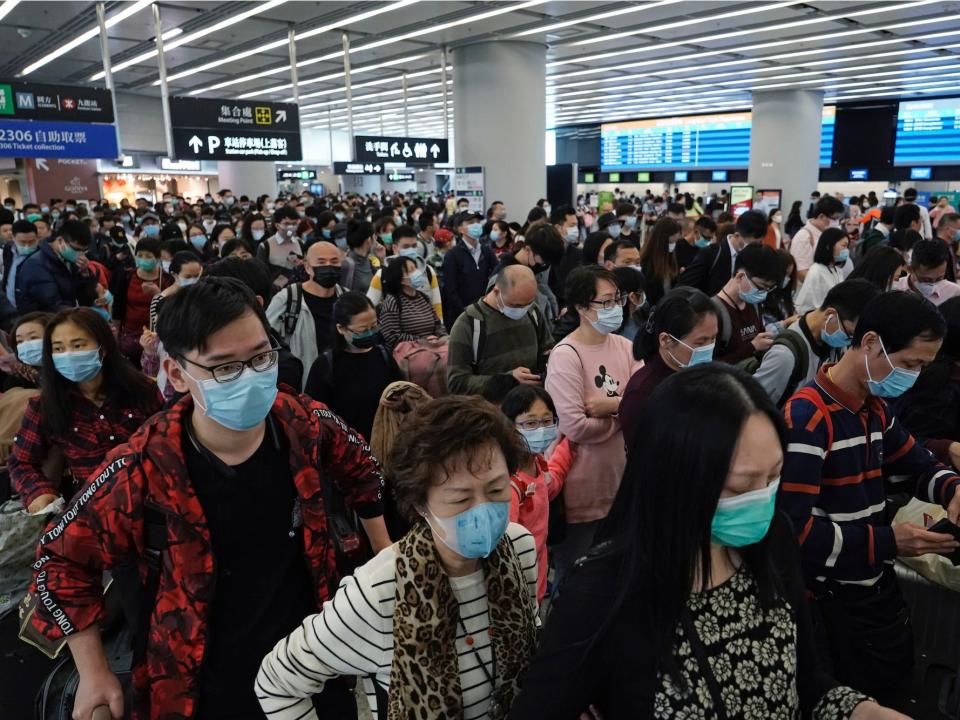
[586, 376]
[539, 478]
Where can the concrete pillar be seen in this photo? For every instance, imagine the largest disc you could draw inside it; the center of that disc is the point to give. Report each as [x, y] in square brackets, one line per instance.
[251, 178]
[785, 143]
[499, 108]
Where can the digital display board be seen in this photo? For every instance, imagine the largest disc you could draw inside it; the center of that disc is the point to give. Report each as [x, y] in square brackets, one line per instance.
[643, 177]
[921, 173]
[614, 177]
[928, 131]
[718, 176]
[859, 174]
[681, 176]
[694, 141]
[589, 177]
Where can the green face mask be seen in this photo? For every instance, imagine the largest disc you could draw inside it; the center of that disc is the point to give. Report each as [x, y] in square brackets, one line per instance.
[33, 217]
[744, 519]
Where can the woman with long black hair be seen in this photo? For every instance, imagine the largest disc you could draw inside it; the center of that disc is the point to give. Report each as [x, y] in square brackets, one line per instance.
[658, 259]
[691, 602]
[91, 400]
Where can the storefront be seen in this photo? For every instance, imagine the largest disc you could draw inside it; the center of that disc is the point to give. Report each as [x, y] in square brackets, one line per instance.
[150, 177]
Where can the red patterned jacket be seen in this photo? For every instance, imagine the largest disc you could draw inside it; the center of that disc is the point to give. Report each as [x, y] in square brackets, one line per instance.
[103, 527]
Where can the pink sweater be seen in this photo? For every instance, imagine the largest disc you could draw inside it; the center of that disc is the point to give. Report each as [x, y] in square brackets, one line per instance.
[530, 501]
[575, 373]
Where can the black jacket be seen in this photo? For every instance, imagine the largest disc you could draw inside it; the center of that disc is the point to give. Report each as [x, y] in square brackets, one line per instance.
[572, 258]
[710, 269]
[464, 281]
[47, 283]
[619, 672]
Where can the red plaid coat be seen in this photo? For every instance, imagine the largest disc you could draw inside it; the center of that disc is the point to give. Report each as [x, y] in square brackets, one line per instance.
[103, 527]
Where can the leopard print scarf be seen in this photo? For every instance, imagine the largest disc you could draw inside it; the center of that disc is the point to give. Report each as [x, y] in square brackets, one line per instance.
[425, 676]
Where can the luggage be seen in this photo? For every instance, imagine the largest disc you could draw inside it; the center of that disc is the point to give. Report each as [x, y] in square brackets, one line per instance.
[424, 364]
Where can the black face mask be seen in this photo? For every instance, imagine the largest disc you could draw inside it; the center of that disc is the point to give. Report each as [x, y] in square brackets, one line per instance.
[539, 268]
[326, 276]
[368, 341]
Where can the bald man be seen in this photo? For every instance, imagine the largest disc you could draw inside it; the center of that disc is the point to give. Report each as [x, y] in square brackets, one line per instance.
[501, 340]
[302, 314]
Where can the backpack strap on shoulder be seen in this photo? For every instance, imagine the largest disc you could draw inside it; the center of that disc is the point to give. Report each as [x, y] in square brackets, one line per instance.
[801, 362]
[723, 315]
[810, 394]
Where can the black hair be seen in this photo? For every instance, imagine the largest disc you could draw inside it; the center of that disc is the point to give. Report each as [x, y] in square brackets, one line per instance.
[122, 383]
[910, 194]
[827, 205]
[904, 215]
[591, 247]
[625, 208]
[899, 318]
[829, 238]
[175, 246]
[150, 245]
[879, 266]
[544, 240]
[403, 231]
[677, 465]
[887, 214]
[677, 313]
[184, 257]
[391, 277]
[611, 252]
[581, 285]
[676, 208]
[519, 400]
[348, 306]
[706, 222]
[41, 318]
[427, 218]
[752, 224]
[231, 245]
[850, 297]
[904, 240]
[189, 317]
[761, 261]
[358, 232]
[217, 231]
[629, 280]
[23, 226]
[929, 254]
[659, 264]
[558, 215]
[76, 232]
[285, 213]
[251, 274]
[950, 310]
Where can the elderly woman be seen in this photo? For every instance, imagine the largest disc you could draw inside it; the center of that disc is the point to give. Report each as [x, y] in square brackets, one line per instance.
[440, 624]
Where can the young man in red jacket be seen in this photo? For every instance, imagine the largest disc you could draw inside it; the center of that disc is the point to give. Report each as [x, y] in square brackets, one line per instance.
[234, 469]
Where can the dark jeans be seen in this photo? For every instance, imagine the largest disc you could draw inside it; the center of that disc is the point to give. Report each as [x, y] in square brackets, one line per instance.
[866, 641]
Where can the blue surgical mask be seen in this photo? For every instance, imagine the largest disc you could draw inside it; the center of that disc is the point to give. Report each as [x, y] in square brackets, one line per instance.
[102, 312]
[698, 355]
[341, 243]
[240, 404]
[893, 385]
[187, 282]
[151, 231]
[27, 249]
[838, 338]
[69, 254]
[165, 264]
[631, 222]
[842, 257]
[326, 233]
[418, 279]
[409, 253]
[608, 321]
[146, 264]
[744, 519]
[30, 352]
[753, 296]
[475, 230]
[614, 230]
[494, 235]
[78, 366]
[474, 533]
[198, 241]
[539, 439]
[339, 216]
[573, 234]
[701, 242]
[671, 247]
[514, 313]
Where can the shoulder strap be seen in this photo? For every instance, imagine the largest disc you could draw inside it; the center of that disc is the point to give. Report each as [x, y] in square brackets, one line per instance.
[716, 258]
[572, 348]
[292, 313]
[723, 314]
[801, 362]
[808, 393]
[479, 332]
[700, 653]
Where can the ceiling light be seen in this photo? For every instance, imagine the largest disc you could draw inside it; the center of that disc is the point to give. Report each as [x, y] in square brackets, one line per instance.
[258, 8]
[6, 7]
[596, 16]
[369, 83]
[87, 35]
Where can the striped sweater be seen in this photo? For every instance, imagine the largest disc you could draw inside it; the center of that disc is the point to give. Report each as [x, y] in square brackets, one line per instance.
[353, 635]
[833, 482]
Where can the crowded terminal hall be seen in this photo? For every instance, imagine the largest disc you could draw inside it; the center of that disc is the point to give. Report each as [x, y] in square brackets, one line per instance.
[479, 360]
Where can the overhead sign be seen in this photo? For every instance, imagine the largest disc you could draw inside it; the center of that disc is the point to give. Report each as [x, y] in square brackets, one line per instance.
[921, 173]
[859, 174]
[186, 165]
[401, 176]
[357, 168]
[23, 138]
[468, 183]
[60, 103]
[409, 150]
[299, 174]
[235, 129]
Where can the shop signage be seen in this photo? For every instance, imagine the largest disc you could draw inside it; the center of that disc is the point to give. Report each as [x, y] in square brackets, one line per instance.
[409, 150]
[23, 138]
[227, 129]
[60, 103]
[299, 174]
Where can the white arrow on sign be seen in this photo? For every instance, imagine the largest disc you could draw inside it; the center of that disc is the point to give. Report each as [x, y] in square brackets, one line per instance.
[42, 164]
[213, 142]
[435, 151]
[195, 143]
[281, 116]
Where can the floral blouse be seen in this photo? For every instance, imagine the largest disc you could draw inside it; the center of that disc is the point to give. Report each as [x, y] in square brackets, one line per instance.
[753, 655]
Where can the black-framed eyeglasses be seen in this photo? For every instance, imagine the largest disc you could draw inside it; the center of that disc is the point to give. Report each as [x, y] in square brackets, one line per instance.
[230, 371]
[534, 424]
[620, 300]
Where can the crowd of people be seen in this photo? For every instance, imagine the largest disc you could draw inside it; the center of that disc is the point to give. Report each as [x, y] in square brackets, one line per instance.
[635, 460]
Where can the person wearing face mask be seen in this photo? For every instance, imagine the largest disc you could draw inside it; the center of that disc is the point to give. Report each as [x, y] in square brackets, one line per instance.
[360, 263]
[948, 232]
[565, 220]
[133, 291]
[540, 477]
[680, 332]
[820, 336]
[830, 262]
[541, 249]
[425, 280]
[844, 441]
[684, 620]
[928, 273]
[447, 615]
[658, 259]
[58, 275]
[302, 313]
[627, 220]
[91, 401]
[713, 266]
[742, 335]
[25, 243]
[428, 225]
[232, 451]
[701, 235]
[254, 229]
[406, 314]
[467, 267]
[637, 309]
[282, 252]
[27, 357]
[827, 213]
[350, 376]
[149, 226]
[586, 375]
[498, 234]
[774, 237]
[608, 223]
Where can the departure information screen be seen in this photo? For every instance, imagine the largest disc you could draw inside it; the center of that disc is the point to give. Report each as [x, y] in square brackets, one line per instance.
[696, 141]
[928, 132]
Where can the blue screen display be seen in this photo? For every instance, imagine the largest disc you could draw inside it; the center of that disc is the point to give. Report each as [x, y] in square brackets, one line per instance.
[859, 174]
[928, 131]
[680, 176]
[719, 176]
[695, 141]
[921, 173]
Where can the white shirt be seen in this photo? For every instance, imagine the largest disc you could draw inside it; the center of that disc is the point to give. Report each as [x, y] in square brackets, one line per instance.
[819, 281]
[804, 244]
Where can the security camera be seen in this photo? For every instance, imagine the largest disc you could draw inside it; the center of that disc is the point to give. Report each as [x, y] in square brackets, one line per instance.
[24, 32]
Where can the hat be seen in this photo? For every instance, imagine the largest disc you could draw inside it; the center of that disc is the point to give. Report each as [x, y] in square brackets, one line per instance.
[149, 216]
[117, 234]
[606, 219]
[442, 237]
[469, 215]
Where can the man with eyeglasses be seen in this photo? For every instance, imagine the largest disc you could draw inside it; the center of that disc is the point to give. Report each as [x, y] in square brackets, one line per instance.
[218, 506]
[758, 270]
